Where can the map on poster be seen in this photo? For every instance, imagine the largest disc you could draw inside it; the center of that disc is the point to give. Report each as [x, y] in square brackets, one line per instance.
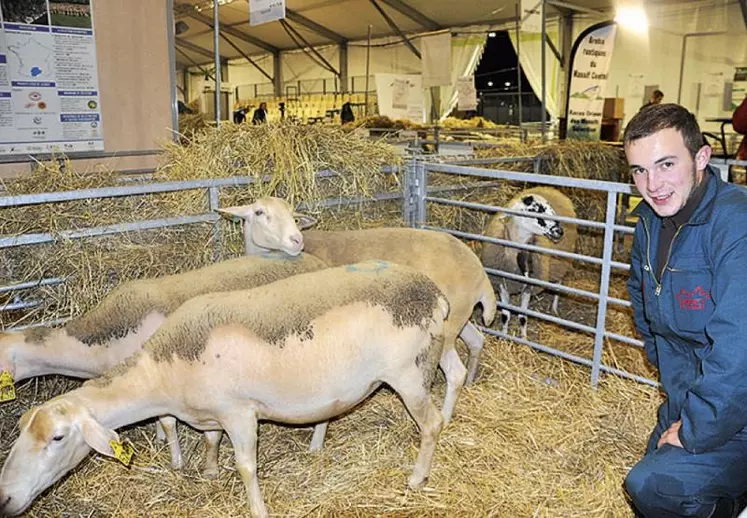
[49, 91]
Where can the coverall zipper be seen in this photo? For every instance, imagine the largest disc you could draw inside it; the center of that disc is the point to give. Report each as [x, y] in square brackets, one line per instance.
[648, 254]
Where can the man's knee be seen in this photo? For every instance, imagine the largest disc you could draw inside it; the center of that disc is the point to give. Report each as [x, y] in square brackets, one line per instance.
[657, 492]
[639, 486]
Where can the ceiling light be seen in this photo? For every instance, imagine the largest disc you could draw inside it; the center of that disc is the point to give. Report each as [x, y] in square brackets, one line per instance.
[491, 35]
[633, 18]
[490, 83]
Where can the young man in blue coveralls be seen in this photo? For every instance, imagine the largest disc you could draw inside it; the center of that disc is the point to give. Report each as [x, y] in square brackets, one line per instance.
[688, 286]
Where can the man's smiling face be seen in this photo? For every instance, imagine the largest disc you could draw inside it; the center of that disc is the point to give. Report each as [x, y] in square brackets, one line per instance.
[664, 171]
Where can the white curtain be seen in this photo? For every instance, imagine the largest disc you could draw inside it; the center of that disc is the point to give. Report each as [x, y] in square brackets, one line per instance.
[530, 60]
[466, 51]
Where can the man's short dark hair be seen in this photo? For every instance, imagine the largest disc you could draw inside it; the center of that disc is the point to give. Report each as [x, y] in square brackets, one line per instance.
[658, 93]
[657, 117]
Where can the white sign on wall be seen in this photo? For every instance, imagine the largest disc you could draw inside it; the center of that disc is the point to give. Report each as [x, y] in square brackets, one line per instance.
[589, 71]
[714, 85]
[466, 93]
[400, 96]
[49, 86]
[531, 15]
[635, 86]
[264, 11]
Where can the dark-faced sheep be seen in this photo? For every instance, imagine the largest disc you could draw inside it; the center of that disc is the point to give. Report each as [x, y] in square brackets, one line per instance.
[531, 230]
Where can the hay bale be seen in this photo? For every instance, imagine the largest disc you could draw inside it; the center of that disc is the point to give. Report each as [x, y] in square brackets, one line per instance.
[290, 155]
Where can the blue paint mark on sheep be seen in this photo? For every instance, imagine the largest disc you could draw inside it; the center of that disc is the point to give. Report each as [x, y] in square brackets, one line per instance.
[368, 267]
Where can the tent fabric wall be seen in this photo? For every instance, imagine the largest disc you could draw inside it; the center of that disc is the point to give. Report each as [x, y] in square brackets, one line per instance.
[531, 63]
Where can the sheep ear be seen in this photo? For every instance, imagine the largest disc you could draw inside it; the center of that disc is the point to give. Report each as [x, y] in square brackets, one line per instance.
[528, 200]
[238, 213]
[97, 436]
[304, 221]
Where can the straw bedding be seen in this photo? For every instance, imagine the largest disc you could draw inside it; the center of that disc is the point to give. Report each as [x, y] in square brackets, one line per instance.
[531, 438]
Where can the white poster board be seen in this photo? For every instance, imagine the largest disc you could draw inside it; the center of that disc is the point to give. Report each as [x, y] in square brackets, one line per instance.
[49, 86]
[400, 96]
[264, 11]
[466, 93]
[590, 69]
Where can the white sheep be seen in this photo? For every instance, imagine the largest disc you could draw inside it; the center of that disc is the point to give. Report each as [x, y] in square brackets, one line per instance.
[536, 231]
[449, 262]
[118, 327]
[300, 350]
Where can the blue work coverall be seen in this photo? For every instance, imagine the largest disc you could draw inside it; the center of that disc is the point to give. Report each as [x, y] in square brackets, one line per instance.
[694, 326]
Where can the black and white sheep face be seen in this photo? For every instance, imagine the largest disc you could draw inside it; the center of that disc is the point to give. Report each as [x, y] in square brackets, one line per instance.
[535, 204]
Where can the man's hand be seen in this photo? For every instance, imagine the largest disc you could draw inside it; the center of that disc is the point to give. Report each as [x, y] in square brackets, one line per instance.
[671, 436]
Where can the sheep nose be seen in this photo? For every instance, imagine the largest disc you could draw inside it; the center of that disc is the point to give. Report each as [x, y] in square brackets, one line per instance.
[3, 503]
[296, 239]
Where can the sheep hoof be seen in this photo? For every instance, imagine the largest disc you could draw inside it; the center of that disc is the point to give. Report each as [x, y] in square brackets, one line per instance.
[416, 482]
[177, 465]
[210, 473]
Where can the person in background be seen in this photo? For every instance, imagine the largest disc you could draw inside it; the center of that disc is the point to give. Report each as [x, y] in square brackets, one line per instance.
[688, 289]
[346, 113]
[656, 97]
[739, 123]
[260, 114]
[239, 115]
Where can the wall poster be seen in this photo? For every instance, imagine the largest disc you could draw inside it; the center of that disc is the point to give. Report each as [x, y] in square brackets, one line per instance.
[49, 86]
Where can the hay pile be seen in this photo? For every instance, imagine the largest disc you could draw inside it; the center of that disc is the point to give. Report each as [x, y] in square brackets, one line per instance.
[531, 438]
[384, 122]
[288, 154]
[475, 122]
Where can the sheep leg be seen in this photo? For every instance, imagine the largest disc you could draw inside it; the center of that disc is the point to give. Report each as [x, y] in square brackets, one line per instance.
[242, 429]
[475, 342]
[505, 314]
[526, 294]
[411, 388]
[212, 448]
[168, 427]
[555, 299]
[160, 434]
[455, 374]
[317, 440]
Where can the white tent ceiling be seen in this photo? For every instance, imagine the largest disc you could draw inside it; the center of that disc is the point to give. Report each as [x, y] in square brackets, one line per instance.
[324, 22]
[321, 22]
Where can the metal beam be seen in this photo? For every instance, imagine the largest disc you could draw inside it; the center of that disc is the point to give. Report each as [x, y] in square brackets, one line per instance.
[413, 14]
[233, 32]
[277, 72]
[344, 67]
[396, 29]
[743, 5]
[555, 50]
[171, 32]
[195, 63]
[312, 25]
[246, 56]
[574, 7]
[197, 49]
[290, 28]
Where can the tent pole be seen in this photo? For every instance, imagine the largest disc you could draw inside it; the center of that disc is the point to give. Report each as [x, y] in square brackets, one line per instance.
[544, 74]
[368, 66]
[518, 62]
[216, 45]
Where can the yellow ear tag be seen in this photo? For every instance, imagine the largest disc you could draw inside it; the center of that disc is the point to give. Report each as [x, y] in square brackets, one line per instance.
[7, 387]
[122, 452]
